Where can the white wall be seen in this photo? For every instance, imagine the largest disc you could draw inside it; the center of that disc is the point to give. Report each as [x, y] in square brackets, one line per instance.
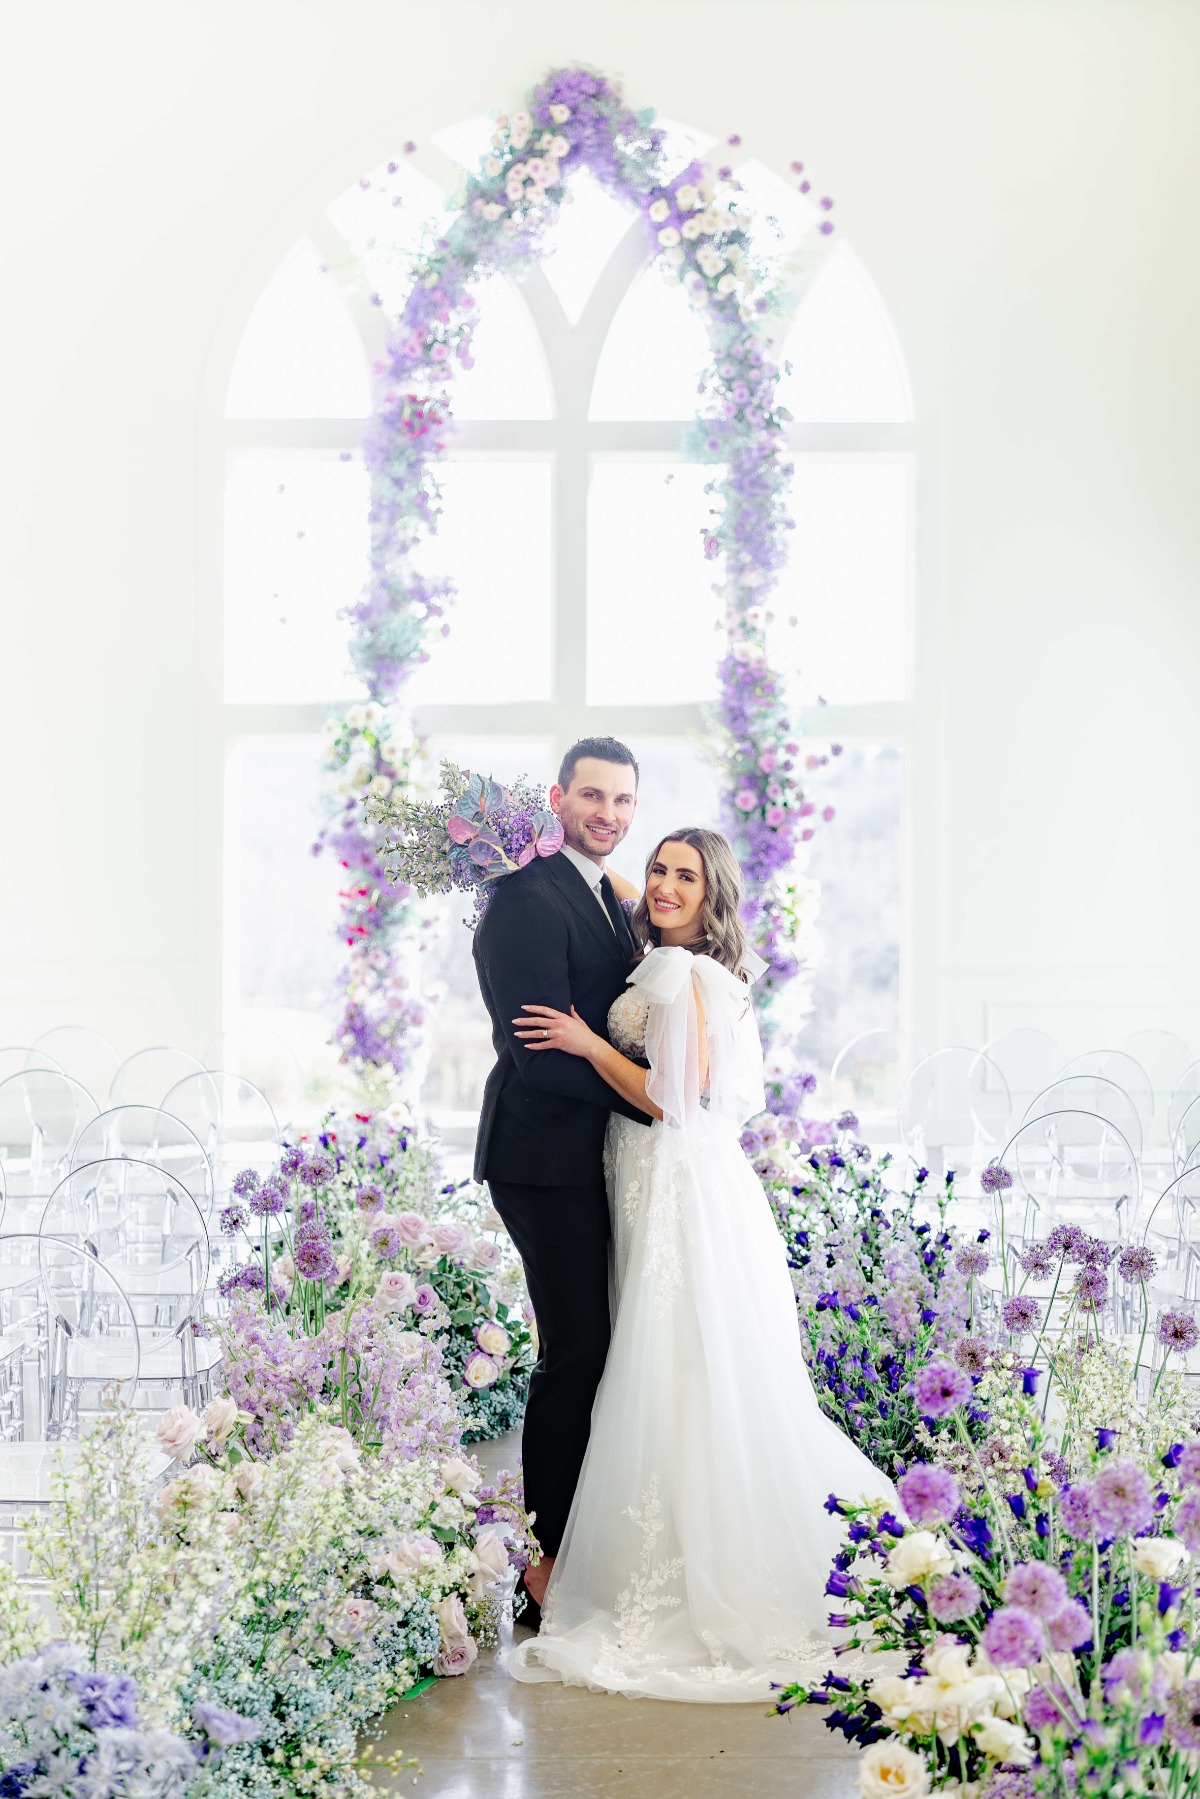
[1019, 178]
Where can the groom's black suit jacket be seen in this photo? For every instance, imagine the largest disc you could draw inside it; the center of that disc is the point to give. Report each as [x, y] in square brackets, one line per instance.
[545, 941]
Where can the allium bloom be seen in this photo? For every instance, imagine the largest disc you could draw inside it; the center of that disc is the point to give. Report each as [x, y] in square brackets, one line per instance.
[1183, 1715]
[1187, 1520]
[291, 1160]
[1037, 1259]
[1075, 1511]
[848, 1121]
[1132, 1673]
[233, 1219]
[953, 1598]
[245, 1183]
[315, 1259]
[1094, 1253]
[939, 1387]
[1065, 1240]
[929, 1495]
[386, 1241]
[1122, 1500]
[370, 1198]
[1041, 1713]
[1137, 1263]
[315, 1171]
[971, 1260]
[1020, 1314]
[1069, 1628]
[995, 1178]
[1091, 1285]
[1178, 1332]
[971, 1355]
[1014, 1637]
[1038, 1587]
[1188, 1464]
[268, 1199]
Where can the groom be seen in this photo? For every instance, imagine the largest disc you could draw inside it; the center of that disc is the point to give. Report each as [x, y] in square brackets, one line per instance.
[554, 934]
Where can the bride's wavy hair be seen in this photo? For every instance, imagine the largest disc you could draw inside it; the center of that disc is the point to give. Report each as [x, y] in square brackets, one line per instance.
[724, 938]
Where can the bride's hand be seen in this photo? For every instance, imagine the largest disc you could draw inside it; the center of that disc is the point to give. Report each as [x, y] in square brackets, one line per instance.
[549, 1029]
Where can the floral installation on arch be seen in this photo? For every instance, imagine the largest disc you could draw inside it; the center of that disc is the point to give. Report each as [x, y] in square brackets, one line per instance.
[697, 229]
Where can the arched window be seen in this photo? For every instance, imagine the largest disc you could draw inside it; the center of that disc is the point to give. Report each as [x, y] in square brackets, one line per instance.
[570, 526]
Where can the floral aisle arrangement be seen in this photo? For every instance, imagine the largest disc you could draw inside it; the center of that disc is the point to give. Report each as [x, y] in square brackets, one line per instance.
[697, 226]
[374, 1285]
[249, 1627]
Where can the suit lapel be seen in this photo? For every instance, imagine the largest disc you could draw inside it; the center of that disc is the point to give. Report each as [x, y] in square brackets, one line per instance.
[574, 890]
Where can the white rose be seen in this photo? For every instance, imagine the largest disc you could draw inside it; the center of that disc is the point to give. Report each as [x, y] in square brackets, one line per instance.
[686, 197]
[888, 1770]
[356, 718]
[373, 713]
[1003, 1741]
[452, 1620]
[249, 1478]
[489, 1564]
[560, 113]
[1158, 1557]
[493, 1339]
[409, 1555]
[410, 1343]
[218, 1418]
[460, 1477]
[352, 1620]
[178, 1432]
[381, 786]
[915, 1557]
[485, 1255]
[491, 1220]
[658, 211]
[709, 260]
[668, 236]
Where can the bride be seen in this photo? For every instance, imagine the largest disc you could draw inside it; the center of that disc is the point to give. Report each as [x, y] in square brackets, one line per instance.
[695, 1558]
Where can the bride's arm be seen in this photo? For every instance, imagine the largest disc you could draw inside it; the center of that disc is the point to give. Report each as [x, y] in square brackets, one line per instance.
[548, 1029]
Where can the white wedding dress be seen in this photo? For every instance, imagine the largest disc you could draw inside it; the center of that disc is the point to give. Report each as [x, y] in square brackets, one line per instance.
[697, 1550]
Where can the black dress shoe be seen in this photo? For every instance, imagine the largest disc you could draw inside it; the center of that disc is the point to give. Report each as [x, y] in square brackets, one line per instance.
[531, 1612]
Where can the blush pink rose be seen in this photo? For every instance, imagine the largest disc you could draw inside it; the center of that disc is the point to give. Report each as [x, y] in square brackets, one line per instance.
[179, 1431]
[412, 1228]
[456, 1658]
[485, 1255]
[396, 1290]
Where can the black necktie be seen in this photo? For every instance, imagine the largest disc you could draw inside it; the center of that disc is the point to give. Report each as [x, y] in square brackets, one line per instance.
[616, 912]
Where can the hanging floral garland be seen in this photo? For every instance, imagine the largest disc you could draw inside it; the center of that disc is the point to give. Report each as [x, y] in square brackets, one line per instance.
[697, 227]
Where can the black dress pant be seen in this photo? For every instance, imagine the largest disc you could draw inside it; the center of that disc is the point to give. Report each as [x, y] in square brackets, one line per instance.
[562, 1234]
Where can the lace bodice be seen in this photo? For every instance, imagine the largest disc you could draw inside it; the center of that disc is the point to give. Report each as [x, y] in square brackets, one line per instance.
[627, 1022]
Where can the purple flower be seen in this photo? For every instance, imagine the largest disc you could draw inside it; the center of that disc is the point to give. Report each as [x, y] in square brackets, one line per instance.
[1188, 1463]
[1178, 1332]
[291, 1161]
[1122, 1500]
[1014, 1637]
[1187, 1520]
[929, 1495]
[848, 1121]
[1020, 1314]
[1075, 1511]
[995, 1178]
[233, 1219]
[109, 1700]
[315, 1171]
[370, 1198]
[953, 1597]
[971, 1355]
[426, 1298]
[245, 1183]
[225, 1727]
[268, 1199]
[939, 1388]
[971, 1260]
[1063, 1239]
[1037, 1259]
[315, 1259]
[387, 1241]
[1070, 1627]
[1091, 1285]
[1041, 1713]
[1183, 1715]
[1130, 1672]
[1038, 1587]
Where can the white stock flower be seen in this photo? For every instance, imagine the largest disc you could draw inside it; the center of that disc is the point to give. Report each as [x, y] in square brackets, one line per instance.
[1004, 1742]
[492, 166]
[1158, 1557]
[710, 220]
[381, 786]
[915, 1557]
[558, 147]
[492, 211]
[178, 1431]
[658, 211]
[888, 1770]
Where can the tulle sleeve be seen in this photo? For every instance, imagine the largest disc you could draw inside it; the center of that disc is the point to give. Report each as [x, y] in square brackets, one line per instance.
[670, 980]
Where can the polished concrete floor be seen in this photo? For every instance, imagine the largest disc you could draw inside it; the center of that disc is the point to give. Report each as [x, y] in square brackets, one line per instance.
[485, 1736]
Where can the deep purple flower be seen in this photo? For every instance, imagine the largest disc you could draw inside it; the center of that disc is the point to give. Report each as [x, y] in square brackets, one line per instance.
[953, 1597]
[848, 1121]
[971, 1260]
[233, 1219]
[939, 1388]
[995, 1178]
[109, 1700]
[929, 1495]
[1014, 1637]
[315, 1259]
[1020, 1314]
[1178, 1332]
[1038, 1587]
[1029, 1380]
[1069, 1628]
[1122, 1500]
[1063, 1239]
[387, 1241]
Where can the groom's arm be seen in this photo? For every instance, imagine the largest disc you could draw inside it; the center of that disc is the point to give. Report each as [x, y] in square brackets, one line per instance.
[525, 958]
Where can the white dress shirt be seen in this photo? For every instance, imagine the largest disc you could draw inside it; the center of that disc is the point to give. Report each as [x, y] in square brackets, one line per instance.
[592, 873]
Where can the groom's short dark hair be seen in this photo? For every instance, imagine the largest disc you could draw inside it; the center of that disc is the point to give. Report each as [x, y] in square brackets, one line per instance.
[604, 749]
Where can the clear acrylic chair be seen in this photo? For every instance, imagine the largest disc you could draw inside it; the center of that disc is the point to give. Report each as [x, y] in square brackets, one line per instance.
[41, 1115]
[1186, 1143]
[146, 1077]
[867, 1076]
[1028, 1059]
[94, 1350]
[1091, 1093]
[149, 1134]
[1125, 1072]
[1165, 1057]
[1072, 1166]
[233, 1120]
[17, 1059]
[267, 1060]
[954, 1112]
[148, 1233]
[1185, 1090]
[86, 1055]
